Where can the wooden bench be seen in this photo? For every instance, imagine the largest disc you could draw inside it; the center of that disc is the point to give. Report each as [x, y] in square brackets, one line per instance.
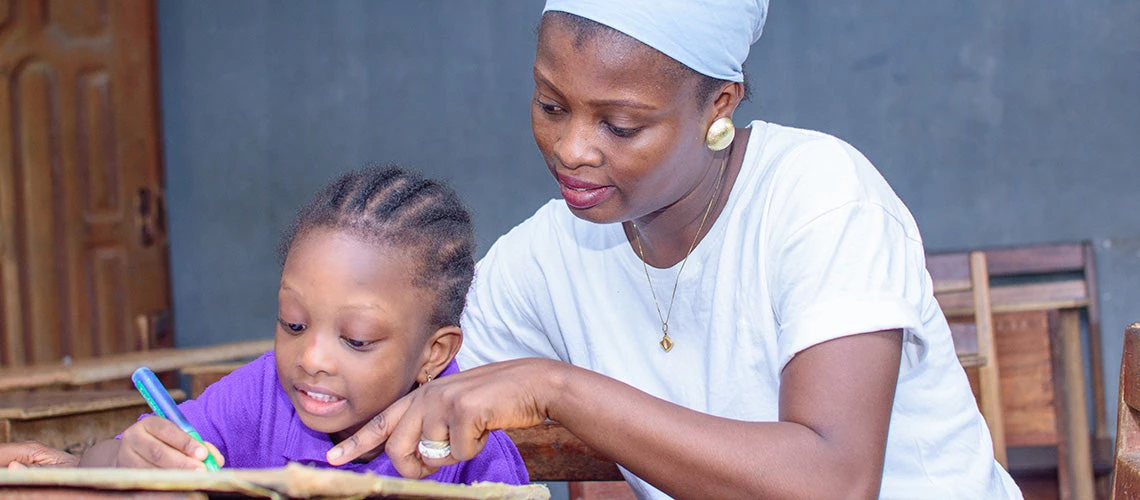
[36, 403]
[71, 421]
[120, 366]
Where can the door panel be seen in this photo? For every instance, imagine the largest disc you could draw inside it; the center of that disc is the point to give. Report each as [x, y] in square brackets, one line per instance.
[83, 251]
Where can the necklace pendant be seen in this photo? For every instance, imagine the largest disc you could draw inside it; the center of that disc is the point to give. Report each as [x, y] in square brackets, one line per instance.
[666, 343]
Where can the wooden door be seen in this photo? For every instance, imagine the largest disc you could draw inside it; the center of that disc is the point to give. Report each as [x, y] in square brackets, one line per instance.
[83, 250]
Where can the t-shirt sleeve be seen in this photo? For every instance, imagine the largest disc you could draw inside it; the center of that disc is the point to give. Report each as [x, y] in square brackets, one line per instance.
[848, 260]
[500, 320]
[499, 462]
[219, 412]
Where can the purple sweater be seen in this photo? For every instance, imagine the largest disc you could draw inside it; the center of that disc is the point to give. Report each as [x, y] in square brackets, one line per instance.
[250, 419]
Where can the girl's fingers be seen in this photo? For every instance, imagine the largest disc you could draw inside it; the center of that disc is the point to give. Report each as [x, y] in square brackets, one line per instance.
[155, 442]
[217, 454]
[174, 437]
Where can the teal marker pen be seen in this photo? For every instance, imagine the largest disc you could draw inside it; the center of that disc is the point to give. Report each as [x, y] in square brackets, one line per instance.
[163, 405]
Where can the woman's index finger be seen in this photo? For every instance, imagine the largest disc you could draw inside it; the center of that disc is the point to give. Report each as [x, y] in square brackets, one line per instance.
[370, 437]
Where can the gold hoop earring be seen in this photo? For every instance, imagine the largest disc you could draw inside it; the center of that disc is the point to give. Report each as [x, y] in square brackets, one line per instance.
[720, 134]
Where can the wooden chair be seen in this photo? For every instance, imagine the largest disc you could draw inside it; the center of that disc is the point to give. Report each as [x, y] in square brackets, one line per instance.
[964, 279]
[1039, 294]
[1126, 458]
[1050, 277]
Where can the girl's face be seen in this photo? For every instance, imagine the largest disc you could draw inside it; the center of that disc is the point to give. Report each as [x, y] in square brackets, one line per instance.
[352, 330]
[618, 124]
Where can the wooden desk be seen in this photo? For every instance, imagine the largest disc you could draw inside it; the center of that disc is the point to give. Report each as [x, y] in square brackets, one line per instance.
[72, 421]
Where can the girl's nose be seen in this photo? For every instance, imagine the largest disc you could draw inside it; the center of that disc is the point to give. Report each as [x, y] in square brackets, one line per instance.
[577, 146]
[317, 353]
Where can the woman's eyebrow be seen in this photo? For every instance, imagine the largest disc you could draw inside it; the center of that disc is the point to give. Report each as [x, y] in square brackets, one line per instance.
[626, 103]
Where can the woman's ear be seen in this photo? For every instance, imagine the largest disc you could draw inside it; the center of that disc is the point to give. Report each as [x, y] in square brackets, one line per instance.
[726, 101]
[441, 348]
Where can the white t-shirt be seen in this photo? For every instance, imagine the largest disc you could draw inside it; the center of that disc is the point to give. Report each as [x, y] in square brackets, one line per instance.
[812, 245]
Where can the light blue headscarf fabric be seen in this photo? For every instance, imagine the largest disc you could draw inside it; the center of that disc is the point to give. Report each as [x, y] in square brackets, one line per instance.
[710, 36]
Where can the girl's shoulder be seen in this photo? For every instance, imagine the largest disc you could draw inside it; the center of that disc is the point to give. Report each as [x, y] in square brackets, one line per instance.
[253, 376]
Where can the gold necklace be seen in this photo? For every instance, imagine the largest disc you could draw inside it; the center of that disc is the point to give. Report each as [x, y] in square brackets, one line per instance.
[666, 342]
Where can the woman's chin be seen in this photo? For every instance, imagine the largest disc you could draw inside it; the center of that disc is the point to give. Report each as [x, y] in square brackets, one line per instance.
[597, 215]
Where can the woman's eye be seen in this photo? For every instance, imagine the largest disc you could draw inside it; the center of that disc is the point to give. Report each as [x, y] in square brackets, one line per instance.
[622, 132]
[292, 327]
[549, 109]
[357, 344]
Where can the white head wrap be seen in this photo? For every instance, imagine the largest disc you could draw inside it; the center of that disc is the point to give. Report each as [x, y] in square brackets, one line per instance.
[710, 36]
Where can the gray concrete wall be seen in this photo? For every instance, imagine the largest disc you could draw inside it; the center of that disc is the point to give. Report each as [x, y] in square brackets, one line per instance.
[998, 122]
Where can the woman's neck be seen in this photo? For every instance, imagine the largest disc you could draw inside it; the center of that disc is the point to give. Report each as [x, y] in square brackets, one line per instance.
[668, 234]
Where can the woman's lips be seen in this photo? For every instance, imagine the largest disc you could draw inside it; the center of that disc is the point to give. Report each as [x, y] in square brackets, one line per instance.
[581, 194]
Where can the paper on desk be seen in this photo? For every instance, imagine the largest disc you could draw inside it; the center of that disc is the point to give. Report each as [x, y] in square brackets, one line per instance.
[292, 481]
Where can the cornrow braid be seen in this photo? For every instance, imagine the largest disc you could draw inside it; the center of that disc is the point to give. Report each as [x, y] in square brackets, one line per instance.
[403, 210]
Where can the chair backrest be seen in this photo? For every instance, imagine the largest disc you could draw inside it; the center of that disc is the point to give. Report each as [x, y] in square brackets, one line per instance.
[1126, 459]
[1036, 278]
[1047, 277]
[964, 279]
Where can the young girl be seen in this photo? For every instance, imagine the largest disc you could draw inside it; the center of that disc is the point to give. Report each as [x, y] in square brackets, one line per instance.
[375, 272]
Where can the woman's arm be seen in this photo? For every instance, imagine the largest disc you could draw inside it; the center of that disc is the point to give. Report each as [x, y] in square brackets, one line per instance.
[835, 407]
[35, 454]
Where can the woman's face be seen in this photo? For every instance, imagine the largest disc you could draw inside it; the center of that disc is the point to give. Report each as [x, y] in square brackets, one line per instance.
[618, 124]
[350, 330]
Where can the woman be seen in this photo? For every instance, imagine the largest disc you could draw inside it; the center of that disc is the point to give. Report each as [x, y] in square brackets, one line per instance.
[724, 316]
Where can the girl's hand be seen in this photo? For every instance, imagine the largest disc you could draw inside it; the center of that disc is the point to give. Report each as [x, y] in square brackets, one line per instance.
[460, 409]
[33, 454]
[156, 442]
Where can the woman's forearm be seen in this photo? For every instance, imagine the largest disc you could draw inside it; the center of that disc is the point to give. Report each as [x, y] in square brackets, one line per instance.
[689, 454]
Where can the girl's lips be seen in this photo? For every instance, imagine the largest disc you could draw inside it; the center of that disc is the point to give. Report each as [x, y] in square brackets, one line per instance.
[580, 194]
[318, 401]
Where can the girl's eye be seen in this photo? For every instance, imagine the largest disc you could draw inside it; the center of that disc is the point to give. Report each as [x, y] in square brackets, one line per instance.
[357, 344]
[292, 327]
[549, 109]
[622, 132]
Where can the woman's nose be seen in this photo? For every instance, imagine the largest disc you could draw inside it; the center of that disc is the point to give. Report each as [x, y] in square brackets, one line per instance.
[578, 146]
